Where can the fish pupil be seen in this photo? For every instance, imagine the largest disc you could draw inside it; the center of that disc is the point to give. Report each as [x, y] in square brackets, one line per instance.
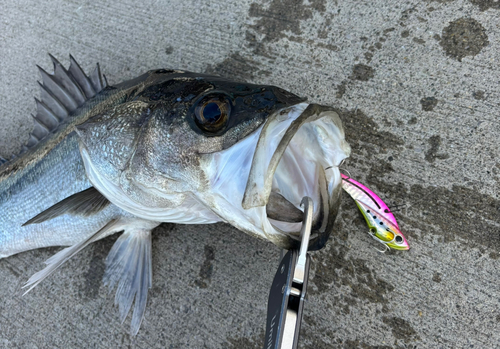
[399, 239]
[212, 112]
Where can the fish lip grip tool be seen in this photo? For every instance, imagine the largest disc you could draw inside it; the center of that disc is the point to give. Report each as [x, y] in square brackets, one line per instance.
[288, 291]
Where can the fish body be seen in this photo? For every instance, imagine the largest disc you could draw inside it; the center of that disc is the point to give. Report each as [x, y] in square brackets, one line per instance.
[168, 146]
[382, 223]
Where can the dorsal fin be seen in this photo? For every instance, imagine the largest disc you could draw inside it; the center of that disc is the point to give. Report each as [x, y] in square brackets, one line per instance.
[62, 93]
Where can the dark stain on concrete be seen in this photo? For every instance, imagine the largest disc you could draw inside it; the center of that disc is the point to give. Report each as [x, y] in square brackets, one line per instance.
[362, 72]
[428, 103]
[169, 50]
[463, 37]
[401, 329]
[330, 47]
[319, 338]
[368, 56]
[97, 266]
[412, 121]
[441, 211]
[432, 210]
[486, 4]
[341, 88]
[357, 344]
[432, 153]
[325, 29]
[419, 41]
[436, 277]
[237, 67]
[388, 30]
[335, 268]
[207, 268]
[255, 342]
[479, 95]
[360, 130]
[281, 16]
[405, 33]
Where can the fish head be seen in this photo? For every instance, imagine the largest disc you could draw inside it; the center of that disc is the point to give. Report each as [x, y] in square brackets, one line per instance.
[192, 148]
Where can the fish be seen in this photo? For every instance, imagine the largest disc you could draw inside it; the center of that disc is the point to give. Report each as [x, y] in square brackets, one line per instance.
[382, 224]
[167, 146]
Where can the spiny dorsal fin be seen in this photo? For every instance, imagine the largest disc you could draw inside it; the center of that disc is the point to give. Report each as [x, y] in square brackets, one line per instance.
[85, 203]
[62, 93]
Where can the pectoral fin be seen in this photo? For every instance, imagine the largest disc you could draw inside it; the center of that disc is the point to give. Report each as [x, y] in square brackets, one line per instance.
[84, 203]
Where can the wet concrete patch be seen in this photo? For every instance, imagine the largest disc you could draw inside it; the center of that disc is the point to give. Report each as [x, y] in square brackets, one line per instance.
[341, 88]
[357, 344]
[254, 342]
[428, 103]
[207, 268]
[486, 4]
[438, 211]
[401, 329]
[360, 129]
[432, 153]
[97, 266]
[436, 277]
[463, 37]
[479, 95]
[282, 16]
[434, 210]
[237, 67]
[335, 268]
[169, 50]
[362, 72]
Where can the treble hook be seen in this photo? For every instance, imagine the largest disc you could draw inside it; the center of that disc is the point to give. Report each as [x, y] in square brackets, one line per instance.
[386, 248]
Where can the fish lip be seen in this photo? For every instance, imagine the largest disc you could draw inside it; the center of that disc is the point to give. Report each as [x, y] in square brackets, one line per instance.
[259, 183]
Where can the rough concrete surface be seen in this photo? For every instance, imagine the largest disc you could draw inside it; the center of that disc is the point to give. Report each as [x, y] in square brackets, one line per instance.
[417, 86]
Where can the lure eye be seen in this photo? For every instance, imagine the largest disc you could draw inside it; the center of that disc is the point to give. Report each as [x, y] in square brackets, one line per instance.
[212, 113]
[399, 239]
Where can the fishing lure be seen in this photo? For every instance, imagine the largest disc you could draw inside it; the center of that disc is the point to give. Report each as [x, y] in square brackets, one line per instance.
[378, 216]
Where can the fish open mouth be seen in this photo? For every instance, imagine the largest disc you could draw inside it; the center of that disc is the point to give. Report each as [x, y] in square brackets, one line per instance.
[257, 185]
[298, 154]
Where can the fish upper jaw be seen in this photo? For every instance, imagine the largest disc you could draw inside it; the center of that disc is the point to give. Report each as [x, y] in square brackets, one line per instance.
[296, 153]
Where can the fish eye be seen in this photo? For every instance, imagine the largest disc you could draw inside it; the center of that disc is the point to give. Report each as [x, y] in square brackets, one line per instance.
[212, 113]
[399, 239]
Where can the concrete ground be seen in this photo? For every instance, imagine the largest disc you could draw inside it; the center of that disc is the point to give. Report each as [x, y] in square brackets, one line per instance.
[417, 86]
